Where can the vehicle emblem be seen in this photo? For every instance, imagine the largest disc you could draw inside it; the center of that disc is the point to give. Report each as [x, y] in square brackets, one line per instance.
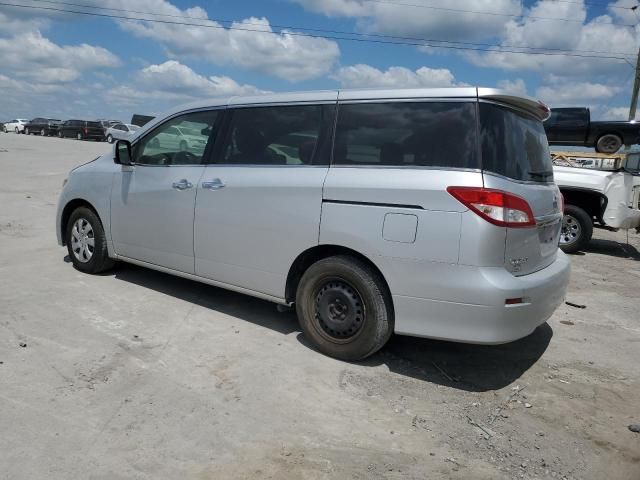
[516, 263]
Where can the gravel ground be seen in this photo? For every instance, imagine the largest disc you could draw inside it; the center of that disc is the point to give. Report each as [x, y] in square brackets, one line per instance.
[137, 374]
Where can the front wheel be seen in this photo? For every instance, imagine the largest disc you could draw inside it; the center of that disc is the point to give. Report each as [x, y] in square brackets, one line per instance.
[17, 130]
[43, 133]
[109, 138]
[577, 229]
[344, 308]
[608, 143]
[79, 136]
[60, 134]
[86, 242]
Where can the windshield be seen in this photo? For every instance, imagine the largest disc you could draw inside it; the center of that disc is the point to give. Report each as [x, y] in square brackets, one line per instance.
[514, 144]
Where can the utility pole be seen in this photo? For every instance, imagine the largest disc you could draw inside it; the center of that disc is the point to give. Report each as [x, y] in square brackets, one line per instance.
[634, 93]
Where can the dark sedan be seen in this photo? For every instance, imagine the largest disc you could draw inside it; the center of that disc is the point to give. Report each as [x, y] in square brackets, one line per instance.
[42, 126]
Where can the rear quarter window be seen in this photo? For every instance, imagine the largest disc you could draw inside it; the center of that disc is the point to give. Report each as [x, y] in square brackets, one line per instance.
[422, 134]
[514, 144]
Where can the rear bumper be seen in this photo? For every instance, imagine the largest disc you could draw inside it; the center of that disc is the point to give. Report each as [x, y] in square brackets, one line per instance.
[489, 321]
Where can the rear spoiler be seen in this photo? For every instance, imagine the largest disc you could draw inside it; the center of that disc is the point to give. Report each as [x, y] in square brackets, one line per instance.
[531, 105]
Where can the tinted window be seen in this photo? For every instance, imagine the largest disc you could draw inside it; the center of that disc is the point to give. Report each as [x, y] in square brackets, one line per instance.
[514, 144]
[94, 124]
[166, 146]
[276, 135]
[430, 134]
[567, 117]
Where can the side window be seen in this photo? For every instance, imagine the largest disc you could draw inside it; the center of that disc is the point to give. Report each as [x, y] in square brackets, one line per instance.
[284, 135]
[432, 134]
[179, 141]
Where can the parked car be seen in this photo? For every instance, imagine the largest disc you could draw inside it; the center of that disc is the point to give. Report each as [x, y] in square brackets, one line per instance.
[596, 188]
[106, 124]
[82, 130]
[427, 212]
[180, 138]
[16, 125]
[42, 126]
[121, 131]
[573, 126]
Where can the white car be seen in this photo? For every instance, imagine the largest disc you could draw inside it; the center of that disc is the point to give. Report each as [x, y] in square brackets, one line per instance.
[184, 139]
[16, 125]
[427, 212]
[121, 131]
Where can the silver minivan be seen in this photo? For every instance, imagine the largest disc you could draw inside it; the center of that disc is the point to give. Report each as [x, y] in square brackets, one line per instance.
[426, 212]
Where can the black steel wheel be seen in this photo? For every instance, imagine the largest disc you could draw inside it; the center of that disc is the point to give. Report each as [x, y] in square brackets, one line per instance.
[344, 308]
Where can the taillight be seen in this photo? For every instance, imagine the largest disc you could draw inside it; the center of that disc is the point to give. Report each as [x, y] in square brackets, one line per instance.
[561, 203]
[495, 206]
[86, 130]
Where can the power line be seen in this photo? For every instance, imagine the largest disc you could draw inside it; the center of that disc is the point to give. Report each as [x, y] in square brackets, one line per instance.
[567, 53]
[337, 32]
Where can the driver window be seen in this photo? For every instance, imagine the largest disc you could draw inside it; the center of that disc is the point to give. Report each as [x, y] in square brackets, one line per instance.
[179, 141]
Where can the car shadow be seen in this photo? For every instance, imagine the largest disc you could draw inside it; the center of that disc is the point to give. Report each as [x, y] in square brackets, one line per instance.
[460, 366]
[613, 248]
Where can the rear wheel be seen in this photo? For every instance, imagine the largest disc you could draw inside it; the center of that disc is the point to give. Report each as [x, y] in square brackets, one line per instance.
[79, 136]
[86, 242]
[59, 133]
[17, 130]
[608, 143]
[43, 133]
[27, 131]
[109, 138]
[344, 308]
[577, 229]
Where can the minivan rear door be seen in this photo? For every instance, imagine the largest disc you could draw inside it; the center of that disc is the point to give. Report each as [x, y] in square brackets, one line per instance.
[516, 159]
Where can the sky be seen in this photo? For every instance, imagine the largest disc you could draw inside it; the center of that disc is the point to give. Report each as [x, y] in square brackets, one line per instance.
[56, 61]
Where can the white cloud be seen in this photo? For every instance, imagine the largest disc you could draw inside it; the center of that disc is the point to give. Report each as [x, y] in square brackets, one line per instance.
[364, 76]
[247, 44]
[441, 19]
[516, 87]
[36, 58]
[559, 92]
[615, 113]
[599, 34]
[174, 82]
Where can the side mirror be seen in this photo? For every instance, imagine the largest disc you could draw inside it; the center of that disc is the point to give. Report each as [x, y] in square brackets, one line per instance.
[123, 152]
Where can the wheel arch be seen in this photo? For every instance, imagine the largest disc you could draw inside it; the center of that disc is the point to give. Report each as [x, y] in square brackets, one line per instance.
[592, 202]
[69, 209]
[318, 252]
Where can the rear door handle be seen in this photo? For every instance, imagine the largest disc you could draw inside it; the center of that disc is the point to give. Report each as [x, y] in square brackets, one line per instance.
[215, 184]
[183, 184]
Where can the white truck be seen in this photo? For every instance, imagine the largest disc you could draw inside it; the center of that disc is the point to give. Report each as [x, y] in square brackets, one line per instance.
[596, 188]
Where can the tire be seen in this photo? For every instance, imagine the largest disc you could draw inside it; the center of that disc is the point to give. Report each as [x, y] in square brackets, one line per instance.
[608, 143]
[27, 132]
[43, 133]
[79, 136]
[87, 258]
[577, 229]
[60, 134]
[109, 138]
[17, 130]
[344, 308]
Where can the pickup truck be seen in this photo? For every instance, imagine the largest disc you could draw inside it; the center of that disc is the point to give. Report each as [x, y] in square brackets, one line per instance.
[596, 188]
[573, 126]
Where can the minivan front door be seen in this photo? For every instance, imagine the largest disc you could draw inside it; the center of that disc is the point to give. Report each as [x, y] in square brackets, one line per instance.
[258, 206]
[152, 202]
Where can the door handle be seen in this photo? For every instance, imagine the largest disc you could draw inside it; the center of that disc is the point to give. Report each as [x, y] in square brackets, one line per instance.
[183, 184]
[215, 184]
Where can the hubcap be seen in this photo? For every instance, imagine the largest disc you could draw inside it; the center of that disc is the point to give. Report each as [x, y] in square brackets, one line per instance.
[571, 230]
[339, 310]
[82, 240]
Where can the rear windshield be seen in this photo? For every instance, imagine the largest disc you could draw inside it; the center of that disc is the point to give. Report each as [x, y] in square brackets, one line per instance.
[514, 145]
[94, 124]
